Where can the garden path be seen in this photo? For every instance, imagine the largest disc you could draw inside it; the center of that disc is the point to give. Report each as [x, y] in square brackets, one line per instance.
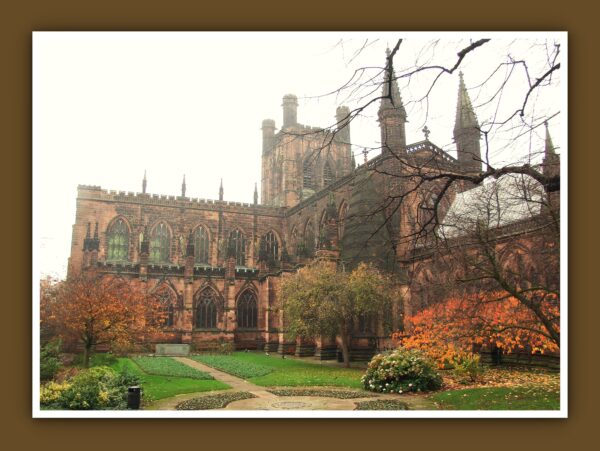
[268, 401]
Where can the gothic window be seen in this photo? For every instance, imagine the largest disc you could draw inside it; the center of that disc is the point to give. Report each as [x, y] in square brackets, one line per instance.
[294, 240]
[328, 177]
[237, 245]
[201, 245]
[118, 241]
[160, 244]
[307, 175]
[247, 311]
[271, 246]
[166, 299]
[342, 219]
[309, 238]
[206, 310]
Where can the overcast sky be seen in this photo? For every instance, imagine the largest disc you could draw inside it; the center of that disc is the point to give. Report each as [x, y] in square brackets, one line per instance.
[107, 106]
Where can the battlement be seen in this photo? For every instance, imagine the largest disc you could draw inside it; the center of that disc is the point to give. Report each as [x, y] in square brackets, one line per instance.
[92, 192]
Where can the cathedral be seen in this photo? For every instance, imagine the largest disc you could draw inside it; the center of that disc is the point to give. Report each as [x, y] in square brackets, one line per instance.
[217, 264]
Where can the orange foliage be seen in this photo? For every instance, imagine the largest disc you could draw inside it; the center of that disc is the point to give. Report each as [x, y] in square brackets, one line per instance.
[458, 325]
[100, 309]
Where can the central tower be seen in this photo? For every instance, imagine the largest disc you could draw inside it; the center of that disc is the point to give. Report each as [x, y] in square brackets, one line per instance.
[300, 160]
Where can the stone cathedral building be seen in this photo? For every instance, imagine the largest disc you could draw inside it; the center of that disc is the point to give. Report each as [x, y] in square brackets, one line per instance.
[217, 264]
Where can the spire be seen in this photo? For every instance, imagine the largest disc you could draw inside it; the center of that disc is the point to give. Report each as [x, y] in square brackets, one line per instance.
[183, 187]
[392, 115]
[221, 190]
[465, 116]
[88, 233]
[96, 231]
[396, 101]
[466, 130]
[255, 194]
[549, 149]
[551, 163]
[144, 183]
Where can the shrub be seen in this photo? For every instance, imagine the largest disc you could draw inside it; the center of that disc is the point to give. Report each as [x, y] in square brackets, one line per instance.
[467, 366]
[225, 348]
[401, 371]
[50, 360]
[98, 388]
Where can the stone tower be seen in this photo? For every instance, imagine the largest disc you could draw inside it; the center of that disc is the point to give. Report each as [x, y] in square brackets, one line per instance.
[466, 131]
[300, 160]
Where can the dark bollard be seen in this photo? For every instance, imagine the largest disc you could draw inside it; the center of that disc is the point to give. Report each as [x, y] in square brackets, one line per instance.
[134, 396]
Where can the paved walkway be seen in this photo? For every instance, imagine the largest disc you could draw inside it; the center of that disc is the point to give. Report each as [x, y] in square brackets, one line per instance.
[268, 401]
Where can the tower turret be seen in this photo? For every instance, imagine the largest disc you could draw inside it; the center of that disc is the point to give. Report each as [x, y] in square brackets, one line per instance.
[342, 117]
[268, 130]
[183, 187]
[221, 190]
[290, 110]
[144, 183]
[392, 115]
[466, 131]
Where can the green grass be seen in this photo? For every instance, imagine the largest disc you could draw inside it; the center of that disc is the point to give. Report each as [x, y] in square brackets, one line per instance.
[285, 372]
[499, 398]
[233, 365]
[157, 387]
[166, 366]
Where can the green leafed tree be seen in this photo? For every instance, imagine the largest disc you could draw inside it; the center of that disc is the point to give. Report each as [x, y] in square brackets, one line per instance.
[321, 300]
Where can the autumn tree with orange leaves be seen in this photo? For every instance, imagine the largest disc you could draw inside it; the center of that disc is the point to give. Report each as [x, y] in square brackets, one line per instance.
[96, 309]
[494, 319]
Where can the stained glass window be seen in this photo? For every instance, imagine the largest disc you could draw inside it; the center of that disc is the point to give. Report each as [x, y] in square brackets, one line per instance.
[206, 310]
[271, 246]
[160, 244]
[328, 177]
[307, 173]
[118, 241]
[201, 245]
[237, 243]
[165, 297]
[247, 311]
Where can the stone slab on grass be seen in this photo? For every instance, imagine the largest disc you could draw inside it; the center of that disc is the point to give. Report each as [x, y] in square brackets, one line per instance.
[171, 349]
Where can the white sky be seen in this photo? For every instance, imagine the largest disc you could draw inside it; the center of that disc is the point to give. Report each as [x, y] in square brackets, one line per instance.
[107, 106]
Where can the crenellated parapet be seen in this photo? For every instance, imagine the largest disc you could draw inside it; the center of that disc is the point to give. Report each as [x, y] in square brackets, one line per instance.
[90, 192]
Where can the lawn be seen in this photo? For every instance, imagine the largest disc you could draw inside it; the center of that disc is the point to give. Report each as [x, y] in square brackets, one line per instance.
[166, 366]
[499, 398]
[157, 387]
[272, 370]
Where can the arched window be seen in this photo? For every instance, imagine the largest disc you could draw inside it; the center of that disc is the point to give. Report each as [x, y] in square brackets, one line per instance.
[206, 310]
[160, 244]
[247, 311]
[342, 219]
[294, 240]
[307, 174]
[309, 238]
[118, 241]
[237, 245]
[167, 301]
[271, 246]
[328, 177]
[201, 245]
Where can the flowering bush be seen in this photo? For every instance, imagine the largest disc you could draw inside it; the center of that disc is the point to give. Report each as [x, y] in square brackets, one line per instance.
[401, 371]
[99, 388]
